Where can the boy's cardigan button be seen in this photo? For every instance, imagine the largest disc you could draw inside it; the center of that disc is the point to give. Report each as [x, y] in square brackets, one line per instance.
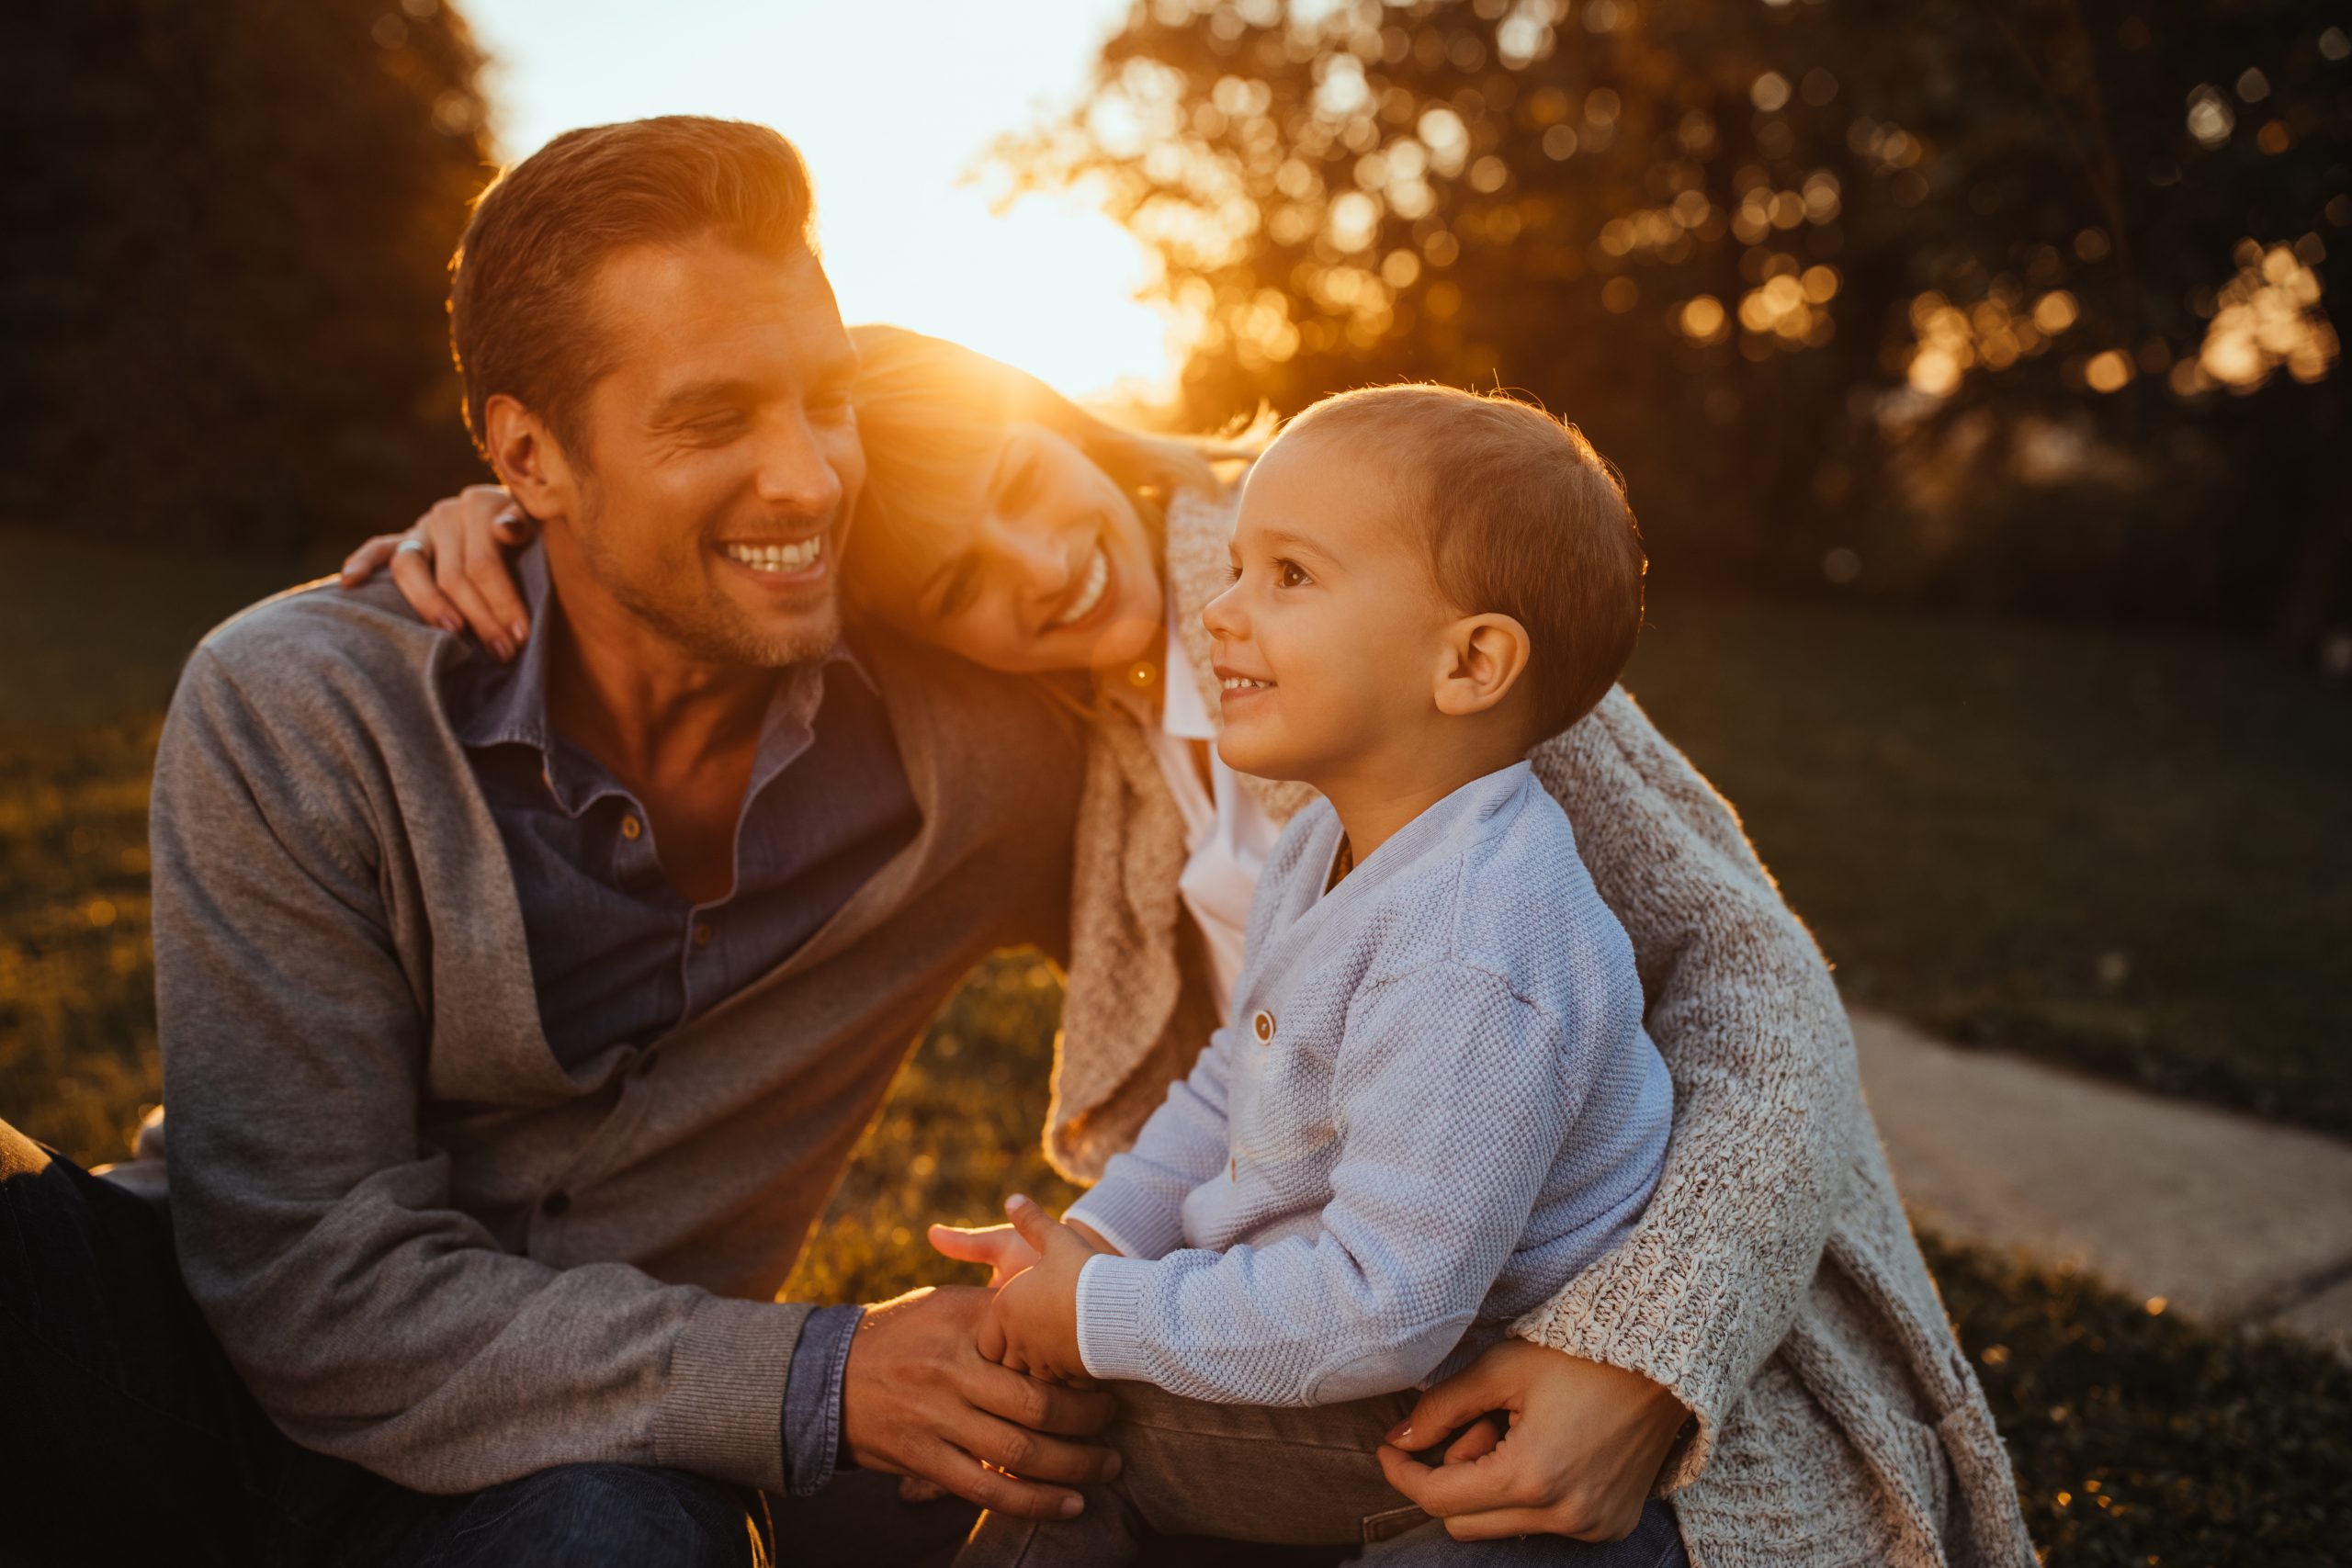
[1262, 1025]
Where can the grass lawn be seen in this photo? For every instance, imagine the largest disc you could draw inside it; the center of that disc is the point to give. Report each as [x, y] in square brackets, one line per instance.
[2131, 852]
[2120, 851]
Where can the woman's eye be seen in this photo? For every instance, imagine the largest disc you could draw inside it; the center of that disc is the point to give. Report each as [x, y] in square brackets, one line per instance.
[1019, 492]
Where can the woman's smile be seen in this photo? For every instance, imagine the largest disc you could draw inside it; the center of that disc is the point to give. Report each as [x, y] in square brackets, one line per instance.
[1092, 591]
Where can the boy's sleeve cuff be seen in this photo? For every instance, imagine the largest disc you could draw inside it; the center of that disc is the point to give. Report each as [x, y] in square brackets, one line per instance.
[1111, 1296]
[1139, 1223]
[1103, 1225]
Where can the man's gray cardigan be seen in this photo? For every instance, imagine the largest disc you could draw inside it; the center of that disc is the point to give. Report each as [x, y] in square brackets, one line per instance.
[427, 1247]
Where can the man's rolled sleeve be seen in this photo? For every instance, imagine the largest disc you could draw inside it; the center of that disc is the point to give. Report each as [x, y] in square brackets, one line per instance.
[812, 1398]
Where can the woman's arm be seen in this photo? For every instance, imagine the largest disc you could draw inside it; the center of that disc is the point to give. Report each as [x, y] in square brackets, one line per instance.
[1767, 1106]
[1767, 1096]
[451, 565]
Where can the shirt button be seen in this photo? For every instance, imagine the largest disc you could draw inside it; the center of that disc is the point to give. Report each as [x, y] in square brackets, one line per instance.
[555, 1203]
[631, 827]
[1262, 1025]
[702, 934]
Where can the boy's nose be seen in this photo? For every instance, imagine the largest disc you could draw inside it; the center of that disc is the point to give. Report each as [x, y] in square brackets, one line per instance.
[1223, 615]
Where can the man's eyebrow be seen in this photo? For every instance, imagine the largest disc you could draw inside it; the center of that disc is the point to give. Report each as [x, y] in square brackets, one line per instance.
[706, 393]
[841, 364]
[834, 371]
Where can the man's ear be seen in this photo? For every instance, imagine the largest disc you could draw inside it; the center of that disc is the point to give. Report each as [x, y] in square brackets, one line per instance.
[530, 462]
[1484, 657]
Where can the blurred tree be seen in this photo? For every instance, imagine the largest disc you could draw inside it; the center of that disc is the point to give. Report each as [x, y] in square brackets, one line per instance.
[227, 227]
[2013, 302]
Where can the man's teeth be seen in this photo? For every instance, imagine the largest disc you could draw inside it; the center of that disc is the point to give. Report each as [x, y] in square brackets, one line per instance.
[1089, 593]
[778, 558]
[1243, 683]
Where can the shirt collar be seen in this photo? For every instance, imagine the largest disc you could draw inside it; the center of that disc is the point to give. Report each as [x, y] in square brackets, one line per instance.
[1183, 712]
[497, 705]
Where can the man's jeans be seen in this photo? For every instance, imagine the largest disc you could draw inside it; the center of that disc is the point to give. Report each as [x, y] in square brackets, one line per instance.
[1300, 1477]
[125, 1437]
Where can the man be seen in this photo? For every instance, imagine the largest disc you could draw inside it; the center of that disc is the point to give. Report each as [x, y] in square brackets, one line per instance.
[518, 1019]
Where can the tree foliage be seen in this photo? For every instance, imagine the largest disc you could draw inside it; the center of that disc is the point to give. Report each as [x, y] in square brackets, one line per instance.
[2019, 302]
[222, 293]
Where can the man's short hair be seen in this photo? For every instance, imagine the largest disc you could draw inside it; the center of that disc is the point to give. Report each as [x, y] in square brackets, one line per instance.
[1521, 518]
[521, 320]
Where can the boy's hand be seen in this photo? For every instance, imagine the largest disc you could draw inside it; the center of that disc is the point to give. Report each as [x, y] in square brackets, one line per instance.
[1031, 1326]
[998, 1246]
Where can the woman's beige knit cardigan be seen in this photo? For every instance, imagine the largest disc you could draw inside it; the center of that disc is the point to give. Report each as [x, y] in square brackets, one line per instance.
[1773, 1284]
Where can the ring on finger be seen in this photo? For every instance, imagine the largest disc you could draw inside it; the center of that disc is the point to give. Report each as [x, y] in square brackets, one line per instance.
[415, 546]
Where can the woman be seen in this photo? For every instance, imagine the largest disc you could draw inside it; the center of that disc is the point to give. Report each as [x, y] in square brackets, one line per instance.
[1768, 1346]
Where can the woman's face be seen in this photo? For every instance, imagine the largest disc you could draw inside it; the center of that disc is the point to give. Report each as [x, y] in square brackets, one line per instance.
[1054, 570]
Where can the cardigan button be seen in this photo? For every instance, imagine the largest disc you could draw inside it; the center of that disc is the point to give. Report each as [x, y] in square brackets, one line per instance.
[554, 1204]
[1262, 1025]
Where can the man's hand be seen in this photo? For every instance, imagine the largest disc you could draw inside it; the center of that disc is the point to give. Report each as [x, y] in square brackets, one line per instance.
[1031, 1326]
[918, 1399]
[1583, 1449]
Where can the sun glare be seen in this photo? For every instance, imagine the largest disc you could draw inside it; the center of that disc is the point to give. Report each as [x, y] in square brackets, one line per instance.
[1049, 286]
[892, 105]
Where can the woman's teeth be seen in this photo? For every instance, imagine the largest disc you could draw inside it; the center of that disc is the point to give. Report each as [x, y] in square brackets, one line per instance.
[1089, 593]
[1243, 683]
[778, 558]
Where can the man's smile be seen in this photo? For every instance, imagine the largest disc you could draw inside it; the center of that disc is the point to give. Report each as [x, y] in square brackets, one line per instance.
[796, 557]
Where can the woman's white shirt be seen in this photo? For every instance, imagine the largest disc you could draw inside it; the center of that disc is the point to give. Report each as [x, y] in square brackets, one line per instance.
[1227, 834]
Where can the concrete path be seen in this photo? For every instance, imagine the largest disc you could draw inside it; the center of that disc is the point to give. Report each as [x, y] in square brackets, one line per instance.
[2234, 1219]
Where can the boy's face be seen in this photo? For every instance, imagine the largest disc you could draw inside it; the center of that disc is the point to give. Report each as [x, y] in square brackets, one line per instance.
[1328, 643]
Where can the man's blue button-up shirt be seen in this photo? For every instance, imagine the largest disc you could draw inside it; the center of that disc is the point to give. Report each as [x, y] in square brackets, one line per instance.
[618, 955]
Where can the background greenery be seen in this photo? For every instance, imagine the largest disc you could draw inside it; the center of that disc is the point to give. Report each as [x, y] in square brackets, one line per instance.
[223, 236]
[1953, 300]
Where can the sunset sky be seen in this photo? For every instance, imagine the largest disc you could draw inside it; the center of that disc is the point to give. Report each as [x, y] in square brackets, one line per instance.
[891, 104]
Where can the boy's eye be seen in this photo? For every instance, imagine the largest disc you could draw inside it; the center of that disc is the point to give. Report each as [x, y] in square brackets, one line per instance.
[1288, 575]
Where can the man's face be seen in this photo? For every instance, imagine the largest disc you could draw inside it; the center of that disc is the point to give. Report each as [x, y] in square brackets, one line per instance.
[719, 458]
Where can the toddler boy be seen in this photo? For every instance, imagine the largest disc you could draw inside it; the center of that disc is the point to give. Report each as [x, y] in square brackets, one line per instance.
[1436, 1102]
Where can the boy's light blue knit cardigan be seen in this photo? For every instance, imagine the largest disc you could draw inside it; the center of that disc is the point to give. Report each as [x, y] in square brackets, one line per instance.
[1434, 1105]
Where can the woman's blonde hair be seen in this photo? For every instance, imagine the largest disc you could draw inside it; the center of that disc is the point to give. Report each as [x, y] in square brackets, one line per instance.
[932, 416]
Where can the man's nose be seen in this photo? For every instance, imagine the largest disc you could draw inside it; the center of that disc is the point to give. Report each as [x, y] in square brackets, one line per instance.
[794, 475]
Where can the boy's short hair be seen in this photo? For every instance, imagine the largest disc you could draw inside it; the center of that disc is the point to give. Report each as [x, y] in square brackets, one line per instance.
[1522, 517]
[521, 284]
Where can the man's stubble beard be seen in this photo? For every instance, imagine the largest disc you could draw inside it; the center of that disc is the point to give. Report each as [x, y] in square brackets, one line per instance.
[711, 626]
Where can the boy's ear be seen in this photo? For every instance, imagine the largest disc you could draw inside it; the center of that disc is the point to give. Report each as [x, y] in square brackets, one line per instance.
[531, 463]
[1484, 657]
